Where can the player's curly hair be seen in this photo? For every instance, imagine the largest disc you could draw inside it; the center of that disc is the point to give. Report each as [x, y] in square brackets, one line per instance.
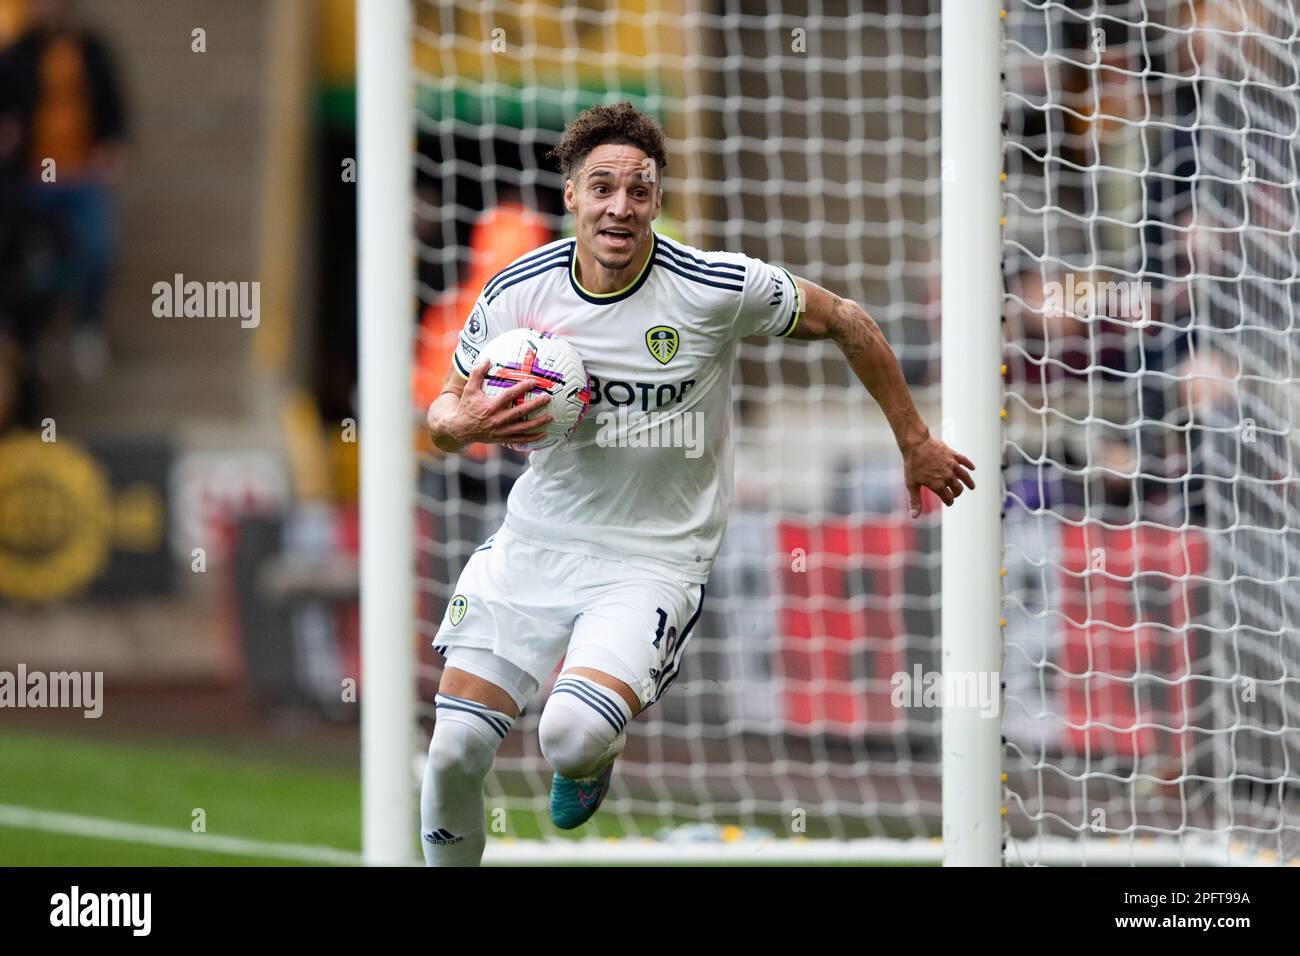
[622, 125]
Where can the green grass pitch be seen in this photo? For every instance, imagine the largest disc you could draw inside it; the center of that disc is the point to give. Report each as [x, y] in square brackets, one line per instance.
[155, 784]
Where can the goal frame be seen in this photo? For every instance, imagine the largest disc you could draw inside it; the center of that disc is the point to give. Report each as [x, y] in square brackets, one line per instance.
[971, 398]
[385, 294]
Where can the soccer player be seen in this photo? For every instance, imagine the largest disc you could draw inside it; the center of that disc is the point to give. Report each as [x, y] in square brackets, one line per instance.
[607, 544]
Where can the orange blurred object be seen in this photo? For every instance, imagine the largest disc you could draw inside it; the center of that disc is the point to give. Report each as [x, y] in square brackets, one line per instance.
[499, 237]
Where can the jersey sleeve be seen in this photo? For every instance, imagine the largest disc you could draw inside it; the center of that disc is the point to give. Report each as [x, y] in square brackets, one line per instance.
[770, 303]
[484, 323]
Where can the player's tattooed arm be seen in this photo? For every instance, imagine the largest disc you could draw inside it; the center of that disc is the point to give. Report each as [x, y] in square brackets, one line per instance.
[828, 316]
[927, 461]
[463, 414]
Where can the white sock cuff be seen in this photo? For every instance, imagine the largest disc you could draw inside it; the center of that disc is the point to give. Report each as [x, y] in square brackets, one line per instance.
[608, 703]
[480, 717]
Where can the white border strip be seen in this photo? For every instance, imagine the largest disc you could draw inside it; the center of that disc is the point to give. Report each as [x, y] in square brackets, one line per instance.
[506, 852]
[26, 818]
[1048, 851]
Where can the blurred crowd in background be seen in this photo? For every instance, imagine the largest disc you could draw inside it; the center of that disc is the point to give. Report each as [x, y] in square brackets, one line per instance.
[177, 490]
[63, 125]
[178, 495]
[1105, 128]
[1150, 449]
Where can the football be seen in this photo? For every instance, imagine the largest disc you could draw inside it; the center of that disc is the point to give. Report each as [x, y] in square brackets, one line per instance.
[553, 366]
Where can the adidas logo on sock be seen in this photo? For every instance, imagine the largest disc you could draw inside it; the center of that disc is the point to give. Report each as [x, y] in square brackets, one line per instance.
[442, 837]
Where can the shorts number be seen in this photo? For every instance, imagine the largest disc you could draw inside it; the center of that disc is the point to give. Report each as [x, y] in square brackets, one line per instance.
[671, 631]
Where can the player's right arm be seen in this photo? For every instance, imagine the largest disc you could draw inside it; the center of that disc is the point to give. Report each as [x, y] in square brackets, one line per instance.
[463, 414]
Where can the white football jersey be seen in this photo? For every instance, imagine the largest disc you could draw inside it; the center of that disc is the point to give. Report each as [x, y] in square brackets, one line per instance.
[647, 476]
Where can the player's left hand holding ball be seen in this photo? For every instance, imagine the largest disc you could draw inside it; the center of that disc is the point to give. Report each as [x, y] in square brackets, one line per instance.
[932, 464]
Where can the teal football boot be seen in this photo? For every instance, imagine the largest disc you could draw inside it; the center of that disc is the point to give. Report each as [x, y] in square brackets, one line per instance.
[574, 801]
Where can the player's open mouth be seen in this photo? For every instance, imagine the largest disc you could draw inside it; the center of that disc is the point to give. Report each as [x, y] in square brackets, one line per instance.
[617, 237]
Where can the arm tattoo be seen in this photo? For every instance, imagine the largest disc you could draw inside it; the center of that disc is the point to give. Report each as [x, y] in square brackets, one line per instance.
[874, 363]
[849, 330]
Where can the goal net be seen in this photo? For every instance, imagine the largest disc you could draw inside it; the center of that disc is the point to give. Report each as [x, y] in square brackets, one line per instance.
[1149, 544]
[1152, 607]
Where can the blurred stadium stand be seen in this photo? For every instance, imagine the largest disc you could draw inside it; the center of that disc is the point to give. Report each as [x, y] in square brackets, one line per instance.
[232, 174]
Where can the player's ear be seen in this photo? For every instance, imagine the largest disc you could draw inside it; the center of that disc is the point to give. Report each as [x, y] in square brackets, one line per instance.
[568, 195]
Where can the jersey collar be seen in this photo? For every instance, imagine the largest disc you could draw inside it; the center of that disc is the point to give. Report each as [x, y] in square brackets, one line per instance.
[608, 298]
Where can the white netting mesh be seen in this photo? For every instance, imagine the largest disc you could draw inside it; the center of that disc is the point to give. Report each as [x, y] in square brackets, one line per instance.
[1150, 512]
[1152, 652]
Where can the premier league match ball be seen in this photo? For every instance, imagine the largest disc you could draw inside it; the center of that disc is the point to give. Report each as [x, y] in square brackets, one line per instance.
[553, 366]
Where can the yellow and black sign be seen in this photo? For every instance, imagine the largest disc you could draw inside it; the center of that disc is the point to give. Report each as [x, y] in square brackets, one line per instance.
[70, 519]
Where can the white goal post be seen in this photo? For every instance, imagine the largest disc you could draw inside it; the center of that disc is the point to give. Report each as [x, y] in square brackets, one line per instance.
[971, 355]
[385, 298]
[1103, 198]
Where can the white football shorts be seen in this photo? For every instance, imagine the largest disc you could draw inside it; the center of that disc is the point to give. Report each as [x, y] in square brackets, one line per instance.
[533, 607]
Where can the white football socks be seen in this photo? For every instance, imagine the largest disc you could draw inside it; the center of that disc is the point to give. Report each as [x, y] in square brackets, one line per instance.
[466, 736]
[581, 729]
